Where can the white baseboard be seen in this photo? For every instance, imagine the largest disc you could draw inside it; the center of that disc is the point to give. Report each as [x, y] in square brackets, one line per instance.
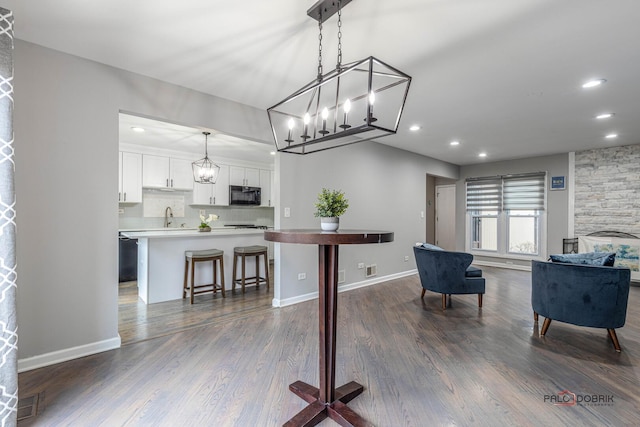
[369, 282]
[66, 354]
[502, 265]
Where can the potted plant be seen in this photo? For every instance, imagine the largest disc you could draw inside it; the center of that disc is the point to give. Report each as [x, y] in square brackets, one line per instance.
[330, 206]
[204, 222]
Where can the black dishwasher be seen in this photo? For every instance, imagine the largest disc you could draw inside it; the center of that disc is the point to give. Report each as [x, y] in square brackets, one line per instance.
[127, 259]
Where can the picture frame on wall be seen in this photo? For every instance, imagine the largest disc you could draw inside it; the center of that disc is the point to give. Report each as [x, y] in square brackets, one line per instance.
[557, 183]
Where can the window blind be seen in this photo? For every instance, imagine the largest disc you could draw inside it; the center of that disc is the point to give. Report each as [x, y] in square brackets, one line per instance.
[509, 192]
[484, 194]
[524, 192]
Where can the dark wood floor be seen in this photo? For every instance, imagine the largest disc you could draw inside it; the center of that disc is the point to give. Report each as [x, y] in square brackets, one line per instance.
[420, 366]
[138, 321]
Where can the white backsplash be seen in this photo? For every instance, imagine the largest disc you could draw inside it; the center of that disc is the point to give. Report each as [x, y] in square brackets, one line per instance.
[150, 213]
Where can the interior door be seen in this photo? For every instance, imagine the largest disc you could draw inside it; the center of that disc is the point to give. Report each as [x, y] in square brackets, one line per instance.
[446, 217]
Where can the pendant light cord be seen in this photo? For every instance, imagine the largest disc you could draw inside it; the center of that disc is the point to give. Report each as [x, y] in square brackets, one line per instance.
[320, 50]
[339, 64]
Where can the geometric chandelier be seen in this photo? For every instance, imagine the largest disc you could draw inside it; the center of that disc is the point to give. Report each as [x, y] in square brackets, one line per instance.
[355, 102]
[204, 170]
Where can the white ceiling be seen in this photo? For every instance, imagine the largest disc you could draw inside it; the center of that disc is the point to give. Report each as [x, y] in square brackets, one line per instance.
[172, 136]
[501, 76]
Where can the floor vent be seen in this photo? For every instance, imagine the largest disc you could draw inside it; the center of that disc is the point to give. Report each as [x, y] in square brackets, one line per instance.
[371, 270]
[28, 406]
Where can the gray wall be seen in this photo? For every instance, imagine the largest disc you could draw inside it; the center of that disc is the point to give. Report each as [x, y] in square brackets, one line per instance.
[66, 133]
[386, 189]
[557, 201]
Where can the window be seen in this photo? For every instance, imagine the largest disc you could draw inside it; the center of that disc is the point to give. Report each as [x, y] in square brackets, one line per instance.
[506, 214]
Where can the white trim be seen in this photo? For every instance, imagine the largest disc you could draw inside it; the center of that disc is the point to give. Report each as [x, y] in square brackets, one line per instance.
[571, 195]
[502, 265]
[66, 354]
[314, 295]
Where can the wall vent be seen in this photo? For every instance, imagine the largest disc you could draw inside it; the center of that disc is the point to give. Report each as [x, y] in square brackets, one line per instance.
[371, 270]
[341, 276]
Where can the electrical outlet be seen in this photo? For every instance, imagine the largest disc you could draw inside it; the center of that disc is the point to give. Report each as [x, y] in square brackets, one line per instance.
[202, 212]
[341, 276]
[302, 276]
[360, 265]
[406, 258]
[421, 214]
[287, 212]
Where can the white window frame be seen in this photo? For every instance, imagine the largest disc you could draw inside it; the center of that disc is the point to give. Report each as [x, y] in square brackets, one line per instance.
[503, 235]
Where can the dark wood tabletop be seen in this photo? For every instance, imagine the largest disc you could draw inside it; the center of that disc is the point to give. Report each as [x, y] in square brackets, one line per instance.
[318, 237]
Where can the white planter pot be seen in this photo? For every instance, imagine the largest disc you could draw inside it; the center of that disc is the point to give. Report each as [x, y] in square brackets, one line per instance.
[329, 224]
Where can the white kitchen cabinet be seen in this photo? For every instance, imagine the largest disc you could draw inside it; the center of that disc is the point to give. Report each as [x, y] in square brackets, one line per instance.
[129, 177]
[180, 174]
[166, 172]
[266, 185]
[249, 177]
[213, 194]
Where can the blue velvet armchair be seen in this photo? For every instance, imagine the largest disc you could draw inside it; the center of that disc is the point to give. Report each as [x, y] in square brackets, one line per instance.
[448, 273]
[583, 295]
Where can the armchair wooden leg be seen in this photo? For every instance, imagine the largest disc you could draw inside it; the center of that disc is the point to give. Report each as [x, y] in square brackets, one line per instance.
[535, 317]
[423, 291]
[479, 300]
[444, 301]
[614, 338]
[545, 326]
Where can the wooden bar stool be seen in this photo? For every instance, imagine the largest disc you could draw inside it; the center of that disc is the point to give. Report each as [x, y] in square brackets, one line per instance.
[243, 252]
[214, 255]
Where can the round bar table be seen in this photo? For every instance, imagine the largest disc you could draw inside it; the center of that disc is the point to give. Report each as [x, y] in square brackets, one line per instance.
[327, 400]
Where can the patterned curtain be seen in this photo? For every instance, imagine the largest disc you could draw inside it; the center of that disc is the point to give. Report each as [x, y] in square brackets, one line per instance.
[8, 326]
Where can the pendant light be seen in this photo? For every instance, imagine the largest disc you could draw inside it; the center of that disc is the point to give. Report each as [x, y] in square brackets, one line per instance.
[337, 108]
[204, 170]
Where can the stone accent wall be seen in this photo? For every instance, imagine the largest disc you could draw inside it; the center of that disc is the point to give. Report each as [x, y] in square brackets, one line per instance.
[607, 190]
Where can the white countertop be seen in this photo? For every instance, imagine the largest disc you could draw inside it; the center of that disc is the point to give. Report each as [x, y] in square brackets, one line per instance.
[184, 232]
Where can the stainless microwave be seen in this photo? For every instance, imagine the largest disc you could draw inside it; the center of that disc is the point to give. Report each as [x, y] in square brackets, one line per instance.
[246, 196]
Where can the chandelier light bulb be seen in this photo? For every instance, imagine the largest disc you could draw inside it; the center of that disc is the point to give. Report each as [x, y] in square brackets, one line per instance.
[306, 120]
[347, 106]
[325, 114]
[290, 124]
[372, 98]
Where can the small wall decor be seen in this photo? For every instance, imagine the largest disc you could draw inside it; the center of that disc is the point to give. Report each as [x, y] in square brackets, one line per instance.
[557, 183]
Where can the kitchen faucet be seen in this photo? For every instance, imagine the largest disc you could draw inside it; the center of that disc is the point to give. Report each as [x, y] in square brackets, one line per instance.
[168, 213]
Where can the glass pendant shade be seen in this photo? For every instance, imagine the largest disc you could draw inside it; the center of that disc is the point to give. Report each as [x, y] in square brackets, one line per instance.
[204, 170]
[359, 101]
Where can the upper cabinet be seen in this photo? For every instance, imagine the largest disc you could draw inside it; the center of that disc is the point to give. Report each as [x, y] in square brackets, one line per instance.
[213, 194]
[166, 172]
[266, 184]
[129, 177]
[248, 177]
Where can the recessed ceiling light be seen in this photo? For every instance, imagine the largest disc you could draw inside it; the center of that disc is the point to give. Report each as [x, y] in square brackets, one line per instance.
[605, 116]
[273, 153]
[454, 143]
[482, 155]
[593, 83]
[137, 129]
[612, 136]
[414, 128]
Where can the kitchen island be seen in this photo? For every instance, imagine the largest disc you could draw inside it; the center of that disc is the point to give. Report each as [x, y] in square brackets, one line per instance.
[161, 258]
